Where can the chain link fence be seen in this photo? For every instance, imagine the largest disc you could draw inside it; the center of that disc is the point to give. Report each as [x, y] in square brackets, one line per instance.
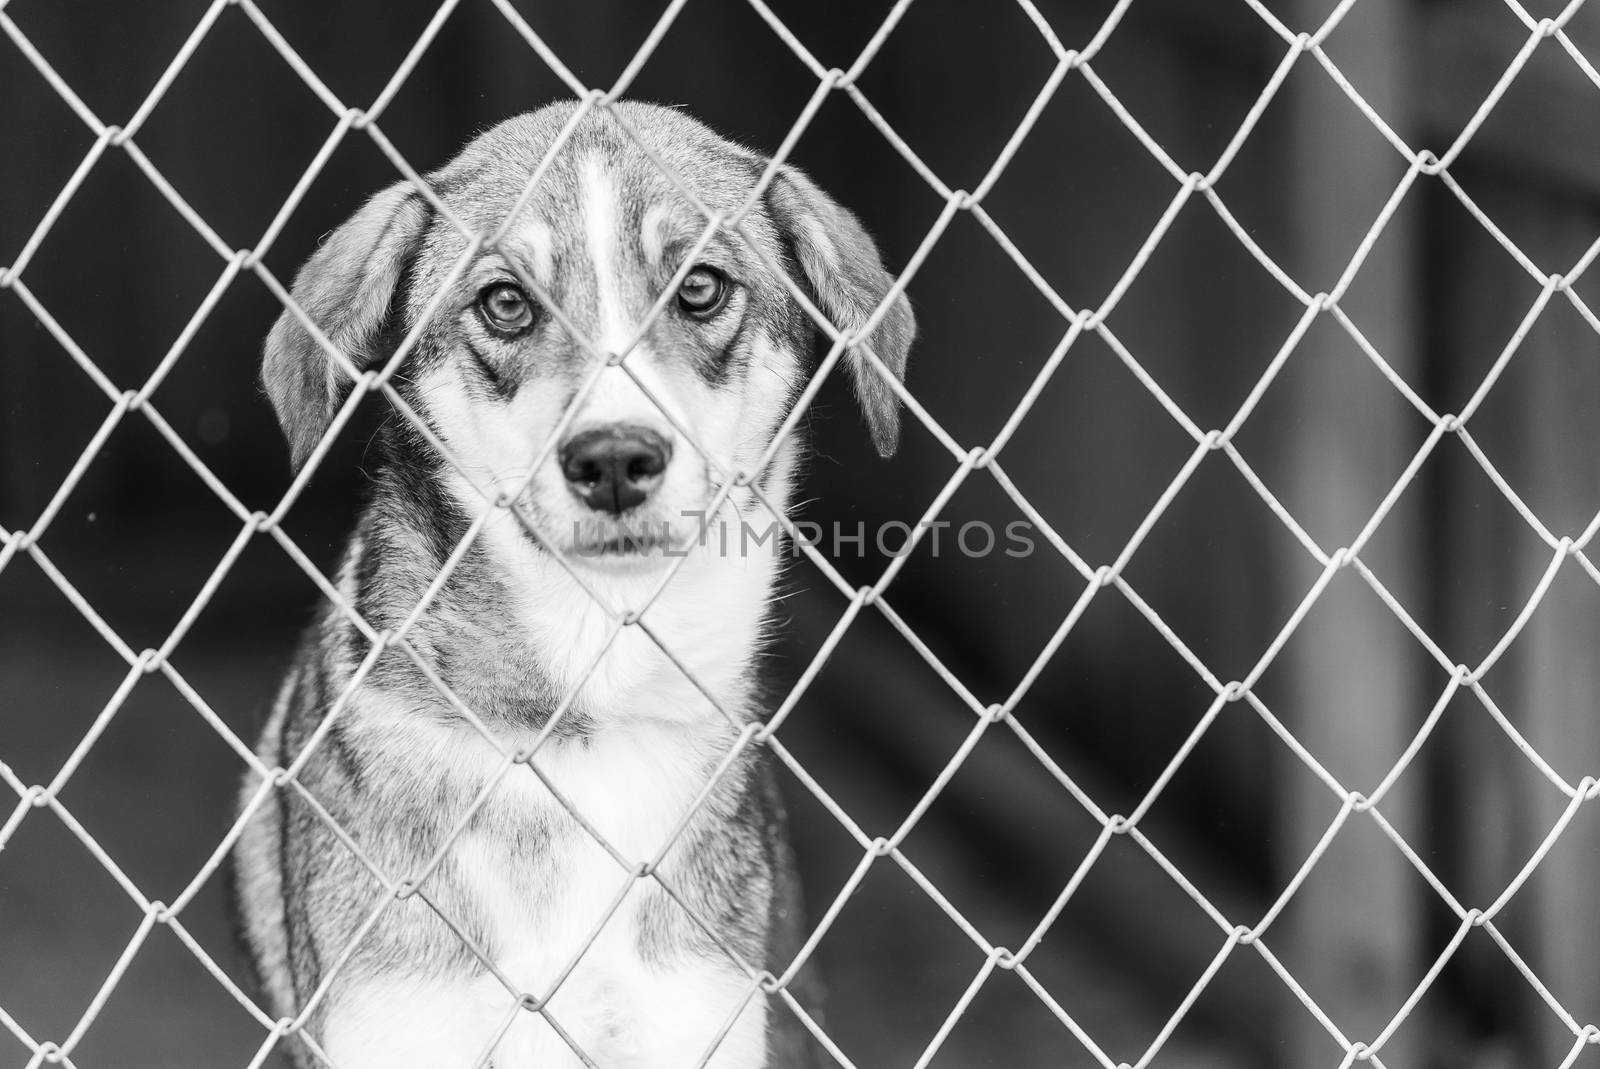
[1195, 185]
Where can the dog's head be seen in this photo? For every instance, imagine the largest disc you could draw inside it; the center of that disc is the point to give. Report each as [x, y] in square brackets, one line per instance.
[604, 235]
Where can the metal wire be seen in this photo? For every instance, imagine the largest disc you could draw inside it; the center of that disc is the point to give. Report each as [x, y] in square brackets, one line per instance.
[1234, 934]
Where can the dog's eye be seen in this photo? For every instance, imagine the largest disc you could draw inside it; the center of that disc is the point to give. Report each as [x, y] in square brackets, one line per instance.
[506, 307]
[703, 292]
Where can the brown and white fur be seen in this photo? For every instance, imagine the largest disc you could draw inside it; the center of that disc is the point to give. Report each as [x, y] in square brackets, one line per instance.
[512, 633]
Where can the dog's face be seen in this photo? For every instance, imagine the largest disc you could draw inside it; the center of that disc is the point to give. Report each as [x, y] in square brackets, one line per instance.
[524, 393]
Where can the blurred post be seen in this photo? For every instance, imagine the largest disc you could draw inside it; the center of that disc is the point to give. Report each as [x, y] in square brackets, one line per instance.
[1542, 436]
[1558, 679]
[1352, 699]
[1561, 680]
[1535, 170]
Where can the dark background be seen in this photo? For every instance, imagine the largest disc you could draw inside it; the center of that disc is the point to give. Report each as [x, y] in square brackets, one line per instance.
[138, 535]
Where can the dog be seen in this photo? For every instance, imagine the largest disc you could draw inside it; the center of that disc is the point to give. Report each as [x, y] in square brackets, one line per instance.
[539, 939]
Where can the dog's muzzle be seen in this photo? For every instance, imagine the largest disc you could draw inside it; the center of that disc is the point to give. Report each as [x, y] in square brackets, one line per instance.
[612, 469]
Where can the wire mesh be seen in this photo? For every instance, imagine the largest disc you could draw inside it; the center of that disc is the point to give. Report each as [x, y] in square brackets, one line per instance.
[1301, 48]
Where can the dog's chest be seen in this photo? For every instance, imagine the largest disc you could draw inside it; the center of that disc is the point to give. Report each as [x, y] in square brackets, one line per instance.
[564, 926]
[558, 914]
[557, 844]
[571, 918]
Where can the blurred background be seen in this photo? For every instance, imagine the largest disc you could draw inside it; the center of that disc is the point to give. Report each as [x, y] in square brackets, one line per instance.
[1438, 296]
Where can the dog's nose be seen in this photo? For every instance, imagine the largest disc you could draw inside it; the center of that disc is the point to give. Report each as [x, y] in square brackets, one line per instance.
[614, 468]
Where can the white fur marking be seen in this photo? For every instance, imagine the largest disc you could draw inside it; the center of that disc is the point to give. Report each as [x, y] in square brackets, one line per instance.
[612, 328]
[393, 1023]
[541, 245]
[653, 232]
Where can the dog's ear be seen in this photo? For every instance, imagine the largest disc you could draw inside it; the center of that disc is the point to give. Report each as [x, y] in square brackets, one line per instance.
[847, 281]
[346, 289]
